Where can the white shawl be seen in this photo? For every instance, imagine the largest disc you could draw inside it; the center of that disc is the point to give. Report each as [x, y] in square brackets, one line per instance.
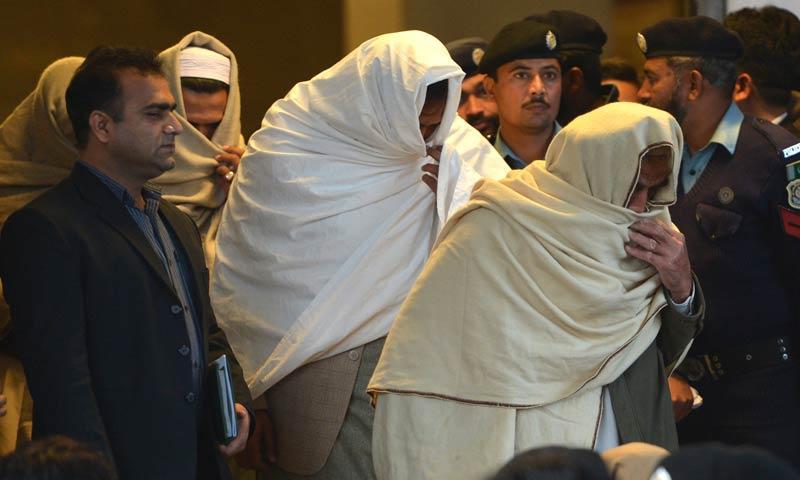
[328, 222]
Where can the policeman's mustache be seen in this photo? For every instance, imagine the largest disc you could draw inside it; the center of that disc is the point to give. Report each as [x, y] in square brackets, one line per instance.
[536, 99]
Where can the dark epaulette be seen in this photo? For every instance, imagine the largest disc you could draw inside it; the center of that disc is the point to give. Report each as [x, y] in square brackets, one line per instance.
[787, 146]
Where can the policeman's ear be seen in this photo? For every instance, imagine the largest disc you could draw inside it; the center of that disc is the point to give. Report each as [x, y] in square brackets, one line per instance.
[488, 85]
[101, 125]
[695, 85]
[743, 89]
[573, 80]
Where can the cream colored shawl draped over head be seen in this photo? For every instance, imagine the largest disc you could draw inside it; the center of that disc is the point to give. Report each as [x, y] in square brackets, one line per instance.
[37, 145]
[193, 185]
[328, 222]
[529, 296]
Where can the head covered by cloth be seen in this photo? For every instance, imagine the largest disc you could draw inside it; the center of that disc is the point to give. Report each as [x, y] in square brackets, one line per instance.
[328, 223]
[534, 277]
[192, 185]
[37, 144]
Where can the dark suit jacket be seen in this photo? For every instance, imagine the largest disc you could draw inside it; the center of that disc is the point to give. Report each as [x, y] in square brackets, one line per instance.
[100, 331]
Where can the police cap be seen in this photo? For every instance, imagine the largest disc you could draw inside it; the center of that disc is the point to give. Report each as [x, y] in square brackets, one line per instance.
[689, 37]
[520, 40]
[467, 53]
[577, 33]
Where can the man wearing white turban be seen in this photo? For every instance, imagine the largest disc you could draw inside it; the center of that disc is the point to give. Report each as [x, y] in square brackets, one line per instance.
[203, 77]
[325, 230]
[547, 288]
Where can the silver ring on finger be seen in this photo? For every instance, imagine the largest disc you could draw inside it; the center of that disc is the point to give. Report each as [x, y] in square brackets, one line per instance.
[229, 175]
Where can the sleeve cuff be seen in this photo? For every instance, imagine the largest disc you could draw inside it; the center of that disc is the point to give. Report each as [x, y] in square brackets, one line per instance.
[685, 307]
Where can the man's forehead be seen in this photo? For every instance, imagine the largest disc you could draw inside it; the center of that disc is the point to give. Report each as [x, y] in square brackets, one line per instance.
[532, 63]
[472, 82]
[144, 89]
[657, 65]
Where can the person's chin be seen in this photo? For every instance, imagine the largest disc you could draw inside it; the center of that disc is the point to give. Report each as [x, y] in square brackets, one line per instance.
[166, 164]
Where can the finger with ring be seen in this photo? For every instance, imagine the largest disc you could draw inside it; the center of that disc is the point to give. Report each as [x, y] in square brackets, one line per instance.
[229, 176]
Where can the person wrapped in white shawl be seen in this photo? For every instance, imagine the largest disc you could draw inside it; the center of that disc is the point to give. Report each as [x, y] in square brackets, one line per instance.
[548, 286]
[328, 223]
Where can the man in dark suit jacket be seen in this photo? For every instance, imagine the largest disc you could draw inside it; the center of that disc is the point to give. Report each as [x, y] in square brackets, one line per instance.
[109, 291]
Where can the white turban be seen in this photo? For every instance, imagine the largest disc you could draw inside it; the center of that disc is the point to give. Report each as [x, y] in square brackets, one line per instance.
[204, 63]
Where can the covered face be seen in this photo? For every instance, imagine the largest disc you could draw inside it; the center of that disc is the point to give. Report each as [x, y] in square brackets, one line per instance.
[602, 154]
[373, 98]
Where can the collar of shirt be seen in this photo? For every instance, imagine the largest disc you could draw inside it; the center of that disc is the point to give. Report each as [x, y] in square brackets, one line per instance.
[510, 157]
[726, 134]
[150, 192]
[609, 93]
[777, 120]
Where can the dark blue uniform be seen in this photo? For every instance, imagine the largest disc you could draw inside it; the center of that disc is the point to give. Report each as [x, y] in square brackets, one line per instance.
[743, 246]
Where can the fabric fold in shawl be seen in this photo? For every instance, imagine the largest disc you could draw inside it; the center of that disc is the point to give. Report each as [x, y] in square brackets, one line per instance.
[37, 144]
[328, 222]
[529, 296]
[193, 185]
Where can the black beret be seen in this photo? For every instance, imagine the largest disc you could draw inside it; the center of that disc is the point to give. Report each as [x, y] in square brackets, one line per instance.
[717, 461]
[467, 53]
[690, 37]
[576, 32]
[519, 40]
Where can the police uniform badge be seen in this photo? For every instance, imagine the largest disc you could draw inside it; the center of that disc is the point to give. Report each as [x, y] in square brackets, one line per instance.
[550, 40]
[477, 56]
[793, 176]
[793, 188]
[790, 217]
[642, 42]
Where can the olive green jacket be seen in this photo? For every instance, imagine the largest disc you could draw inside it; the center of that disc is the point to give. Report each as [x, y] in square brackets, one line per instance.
[640, 396]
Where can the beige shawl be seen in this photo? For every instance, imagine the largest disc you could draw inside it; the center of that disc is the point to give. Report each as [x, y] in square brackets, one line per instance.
[193, 184]
[37, 145]
[529, 296]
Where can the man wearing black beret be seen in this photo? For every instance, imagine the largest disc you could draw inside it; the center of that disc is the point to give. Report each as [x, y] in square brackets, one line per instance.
[523, 75]
[581, 41]
[739, 209]
[477, 107]
[768, 70]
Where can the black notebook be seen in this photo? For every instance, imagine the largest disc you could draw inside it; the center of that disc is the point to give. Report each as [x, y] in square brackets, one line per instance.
[222, 402]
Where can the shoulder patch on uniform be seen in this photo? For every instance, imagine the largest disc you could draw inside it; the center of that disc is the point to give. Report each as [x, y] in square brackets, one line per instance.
[793, 150]
[793, 188]
[793, 171]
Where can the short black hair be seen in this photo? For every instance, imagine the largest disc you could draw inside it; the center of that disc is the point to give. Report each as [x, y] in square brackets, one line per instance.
[617, 68]
[55, 458]
[204, 85]
[437, 92]
[771, 38]
[96, 86]
[588, 63]
[554, 463]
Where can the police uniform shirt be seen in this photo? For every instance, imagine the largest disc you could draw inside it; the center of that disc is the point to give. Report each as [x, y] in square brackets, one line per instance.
[726, 135]
[509, 156]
